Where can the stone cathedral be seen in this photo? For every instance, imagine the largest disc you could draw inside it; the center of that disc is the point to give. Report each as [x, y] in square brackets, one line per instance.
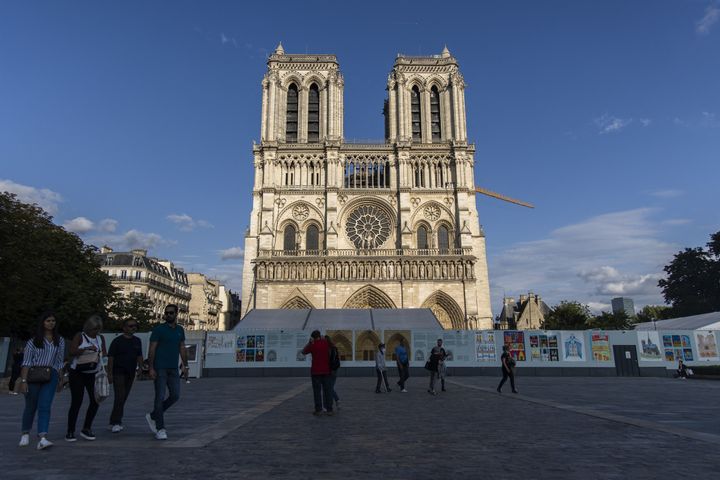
[391, 224]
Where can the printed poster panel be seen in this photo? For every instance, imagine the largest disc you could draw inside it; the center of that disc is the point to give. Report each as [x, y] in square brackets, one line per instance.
[459, 345]
[250, 348]
[515, 342]
[220, 342]
[706, 346]
[280, 347]
[600, 347]
[677, 347]
[649, 346]
[573, 346]
[485, 346]
[423, 342]
[544, 347]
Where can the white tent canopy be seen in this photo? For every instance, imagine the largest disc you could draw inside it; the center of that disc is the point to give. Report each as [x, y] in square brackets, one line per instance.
[705, 321]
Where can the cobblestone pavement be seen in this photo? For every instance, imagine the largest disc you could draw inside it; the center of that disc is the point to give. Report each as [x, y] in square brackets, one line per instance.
[557, 428]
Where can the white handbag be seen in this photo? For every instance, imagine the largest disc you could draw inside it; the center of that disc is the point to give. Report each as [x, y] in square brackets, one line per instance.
[102, 386]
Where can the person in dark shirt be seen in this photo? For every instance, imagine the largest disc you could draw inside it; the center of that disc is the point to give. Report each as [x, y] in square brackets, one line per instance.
[16, 368]
[124, 357]
[507, 363]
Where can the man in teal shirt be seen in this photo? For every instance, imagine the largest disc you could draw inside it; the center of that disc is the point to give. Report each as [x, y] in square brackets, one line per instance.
[167, 343]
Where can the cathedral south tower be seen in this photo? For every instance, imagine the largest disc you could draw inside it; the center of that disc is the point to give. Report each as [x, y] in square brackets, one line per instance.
[391, 224]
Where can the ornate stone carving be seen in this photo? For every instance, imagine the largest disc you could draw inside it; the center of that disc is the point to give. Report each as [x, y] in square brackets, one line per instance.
[431, 212]
[415, 201]
[280, 202]
[300, 212]
[320, 202]
[448, 201]
[342, 199]
[368, 227]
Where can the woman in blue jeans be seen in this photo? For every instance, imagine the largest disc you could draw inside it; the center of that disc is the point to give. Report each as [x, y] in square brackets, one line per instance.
[45, 349]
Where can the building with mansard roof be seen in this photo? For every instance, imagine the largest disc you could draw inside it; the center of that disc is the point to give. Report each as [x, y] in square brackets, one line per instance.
[391, 224]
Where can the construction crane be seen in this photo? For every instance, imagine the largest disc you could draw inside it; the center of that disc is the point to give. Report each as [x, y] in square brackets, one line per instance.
[500, 196]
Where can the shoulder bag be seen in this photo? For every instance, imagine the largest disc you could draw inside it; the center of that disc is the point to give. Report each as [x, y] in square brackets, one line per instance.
[39, 374]
[102, 386]
[88, 360]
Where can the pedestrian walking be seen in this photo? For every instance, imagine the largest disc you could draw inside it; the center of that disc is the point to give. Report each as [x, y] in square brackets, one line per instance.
[403, 364]
[381, 369]
[508, 366]
[86, 351]
[124, 358]
[437, 357]
[167, 343]
[320, 372]
[16, 368]
[41, 376]
[334, 367]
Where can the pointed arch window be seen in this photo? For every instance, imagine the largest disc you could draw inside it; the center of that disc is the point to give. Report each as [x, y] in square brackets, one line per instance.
[435, 115]
[443, 238]
[312, 238]
[291, 125]
[422, 238]
[289, 238]
[314, 114]
[415, 114]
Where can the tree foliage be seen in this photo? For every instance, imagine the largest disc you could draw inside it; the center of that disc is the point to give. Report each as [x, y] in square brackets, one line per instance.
[692, 285]
[43, 266]
[568, 315]
[611, 321]
[136, 307]
[654, 312]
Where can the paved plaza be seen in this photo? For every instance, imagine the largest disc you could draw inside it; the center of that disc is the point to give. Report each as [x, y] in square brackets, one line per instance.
[263, 427]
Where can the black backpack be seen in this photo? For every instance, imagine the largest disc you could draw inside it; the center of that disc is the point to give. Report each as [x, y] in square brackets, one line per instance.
[334, 359]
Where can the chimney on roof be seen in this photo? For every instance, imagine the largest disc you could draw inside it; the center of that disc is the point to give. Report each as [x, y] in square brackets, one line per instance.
[105, 249]
[140, 252]
[523, 298]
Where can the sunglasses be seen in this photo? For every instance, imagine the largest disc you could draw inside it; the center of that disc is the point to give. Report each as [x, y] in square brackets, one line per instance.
[131, 325]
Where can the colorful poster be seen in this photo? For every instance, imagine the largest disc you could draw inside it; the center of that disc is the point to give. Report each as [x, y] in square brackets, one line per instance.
[250, 348]
[573, 346]
[600, 347]
[515, 342]
[673, 348]
[649, 346]
[544, 348]
[706, 346]
[485, 346]
[220, 342]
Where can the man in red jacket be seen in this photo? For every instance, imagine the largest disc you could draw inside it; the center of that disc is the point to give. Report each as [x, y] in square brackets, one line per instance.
[320, 372]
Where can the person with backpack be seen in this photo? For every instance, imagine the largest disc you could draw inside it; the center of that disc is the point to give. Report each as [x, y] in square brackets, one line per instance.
[41, 377]
[86, 350]
[381, 369]
[508, 364]
[334, 367]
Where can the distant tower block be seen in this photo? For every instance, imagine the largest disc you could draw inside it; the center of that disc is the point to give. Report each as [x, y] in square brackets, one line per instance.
[390, 224]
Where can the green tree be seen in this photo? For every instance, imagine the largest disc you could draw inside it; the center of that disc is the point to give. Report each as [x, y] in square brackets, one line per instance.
[611, 321]
[43, 266]
[136, 307]
[654, 312]
[692, 285]
[568, 315]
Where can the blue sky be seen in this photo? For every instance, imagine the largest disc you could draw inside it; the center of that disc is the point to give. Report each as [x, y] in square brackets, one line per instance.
[133, 123]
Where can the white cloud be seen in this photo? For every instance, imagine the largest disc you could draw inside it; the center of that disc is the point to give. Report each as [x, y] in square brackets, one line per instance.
[645, 122]
[597, 307]
[186, 223]
[618, 253]
[224, 39]
[79, 225]
[705, 24]
[676, 222]
[667, 193]
[43, 197]
[610, 124]
[130, 240]
[108, 225]
[232, 253]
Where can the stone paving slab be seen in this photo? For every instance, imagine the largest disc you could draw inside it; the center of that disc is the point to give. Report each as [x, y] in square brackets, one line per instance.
[268, 431]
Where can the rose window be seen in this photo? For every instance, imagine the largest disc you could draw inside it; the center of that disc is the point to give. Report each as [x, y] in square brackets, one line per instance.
[368, 227]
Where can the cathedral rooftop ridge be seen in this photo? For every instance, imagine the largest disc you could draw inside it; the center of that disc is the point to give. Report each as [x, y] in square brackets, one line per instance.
[445, 58]
[280, 56]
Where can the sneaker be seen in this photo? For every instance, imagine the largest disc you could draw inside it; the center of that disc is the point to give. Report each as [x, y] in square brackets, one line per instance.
[317, 412]
[12, 393]
[403, 390]
[87, 434]
[151, 423]
[515, 391]
[161, 434]
[24, 440]
[330, 413]
[378, 391]
[498, 390]
[117, 428]
[70, 437]
[388, 390]
[44, 443]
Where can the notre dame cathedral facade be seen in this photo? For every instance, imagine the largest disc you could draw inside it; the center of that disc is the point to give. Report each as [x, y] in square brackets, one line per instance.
[391, 224]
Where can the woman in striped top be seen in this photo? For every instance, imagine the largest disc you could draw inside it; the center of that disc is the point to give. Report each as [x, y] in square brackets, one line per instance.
[45, 349]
